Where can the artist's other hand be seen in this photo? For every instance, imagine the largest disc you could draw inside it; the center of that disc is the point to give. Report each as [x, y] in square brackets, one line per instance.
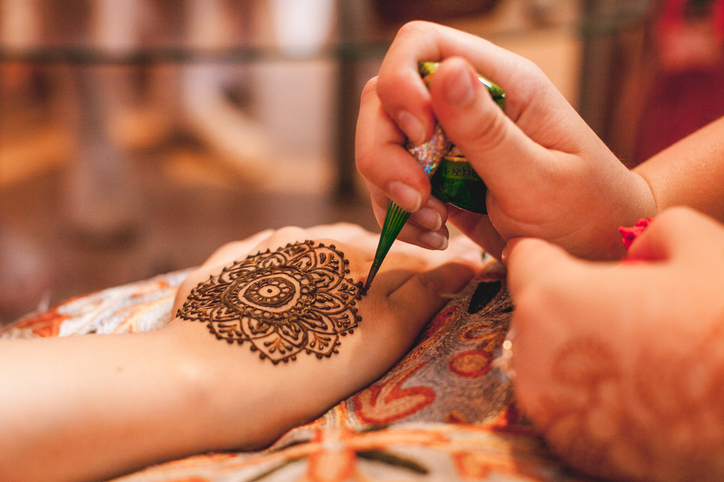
[548, 175]
[260, 400]
[621, 366]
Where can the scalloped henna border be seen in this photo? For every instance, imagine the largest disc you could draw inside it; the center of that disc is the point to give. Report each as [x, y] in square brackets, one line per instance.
[296, 298]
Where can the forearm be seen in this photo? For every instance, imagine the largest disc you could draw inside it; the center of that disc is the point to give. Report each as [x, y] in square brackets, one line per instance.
[97, 406]
[100, 405]
[690, 172]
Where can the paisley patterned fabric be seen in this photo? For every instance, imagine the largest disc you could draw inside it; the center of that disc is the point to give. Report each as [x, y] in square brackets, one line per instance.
[445, 412]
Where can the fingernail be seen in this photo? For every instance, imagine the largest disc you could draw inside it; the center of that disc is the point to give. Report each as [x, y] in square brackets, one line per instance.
[434, 240]
[427, 218]
[413, 128]
[405, 196]
[460, 89]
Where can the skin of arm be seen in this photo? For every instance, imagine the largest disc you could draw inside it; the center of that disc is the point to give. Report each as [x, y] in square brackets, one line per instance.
[92, 407]
[621, 365]
[690, 172]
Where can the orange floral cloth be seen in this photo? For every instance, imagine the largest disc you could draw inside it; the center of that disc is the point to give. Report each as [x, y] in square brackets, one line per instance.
[445, 412]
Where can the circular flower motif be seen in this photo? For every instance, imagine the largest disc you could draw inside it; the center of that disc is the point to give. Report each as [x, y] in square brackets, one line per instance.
[273, 294]
[295, 298]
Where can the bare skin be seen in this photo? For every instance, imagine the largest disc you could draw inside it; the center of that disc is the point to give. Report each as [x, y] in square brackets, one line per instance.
[549, 176]
[103, 405]
[690, 172]
[622, 365]
[576, 192]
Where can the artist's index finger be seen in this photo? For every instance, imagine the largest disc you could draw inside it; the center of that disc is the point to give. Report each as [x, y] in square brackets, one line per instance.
[401, 90]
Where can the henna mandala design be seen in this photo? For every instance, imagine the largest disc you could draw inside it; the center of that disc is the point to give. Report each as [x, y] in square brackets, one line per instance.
[295, 298]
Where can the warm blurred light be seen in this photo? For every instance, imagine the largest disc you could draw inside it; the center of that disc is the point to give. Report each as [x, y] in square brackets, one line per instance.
[302, 26]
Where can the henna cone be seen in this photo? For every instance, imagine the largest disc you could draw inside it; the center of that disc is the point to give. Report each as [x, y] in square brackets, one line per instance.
[429, 155]
[395, 218]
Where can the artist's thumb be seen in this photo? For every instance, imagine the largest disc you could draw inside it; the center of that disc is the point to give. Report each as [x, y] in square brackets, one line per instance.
[496, 148]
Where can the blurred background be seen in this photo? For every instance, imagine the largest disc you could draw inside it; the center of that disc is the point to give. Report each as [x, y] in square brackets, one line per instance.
[136, 136]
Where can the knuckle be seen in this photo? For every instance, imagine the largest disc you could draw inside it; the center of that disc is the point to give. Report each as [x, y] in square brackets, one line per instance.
[527, 67]
[287, 230]
[675, 220]
[670, 218]
[287, 234]
[222, 250]
[413, 29]
[490, 132]
[228, 246]
[677, 213]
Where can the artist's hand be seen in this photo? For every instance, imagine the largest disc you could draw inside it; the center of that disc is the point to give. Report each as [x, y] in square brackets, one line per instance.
[264, 399]
[621, 366]
[548, 175]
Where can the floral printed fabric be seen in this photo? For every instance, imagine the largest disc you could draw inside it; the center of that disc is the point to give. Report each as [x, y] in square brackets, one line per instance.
[445, 412]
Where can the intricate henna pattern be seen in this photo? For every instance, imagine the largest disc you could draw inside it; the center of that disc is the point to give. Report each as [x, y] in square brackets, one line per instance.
[656, 415]
[283, 302]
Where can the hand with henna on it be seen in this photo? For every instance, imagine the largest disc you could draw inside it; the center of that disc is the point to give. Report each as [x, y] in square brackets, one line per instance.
[411, 287]
[99, 406]
[621, 365]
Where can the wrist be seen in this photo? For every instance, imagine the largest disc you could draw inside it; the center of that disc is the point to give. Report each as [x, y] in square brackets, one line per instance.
[647, 205]
[634, 200]
[235, 400]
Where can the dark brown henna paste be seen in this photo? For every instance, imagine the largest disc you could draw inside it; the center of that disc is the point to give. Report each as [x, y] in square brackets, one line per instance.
[295, 298]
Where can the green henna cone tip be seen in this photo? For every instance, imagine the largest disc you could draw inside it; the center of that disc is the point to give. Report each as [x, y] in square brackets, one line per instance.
[467, 191]
[395, 218]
